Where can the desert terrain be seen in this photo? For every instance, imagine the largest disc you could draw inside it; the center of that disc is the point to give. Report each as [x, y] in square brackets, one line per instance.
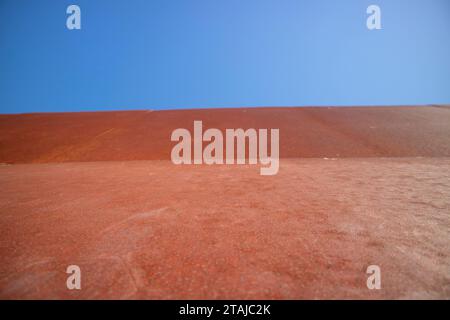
[356, 187]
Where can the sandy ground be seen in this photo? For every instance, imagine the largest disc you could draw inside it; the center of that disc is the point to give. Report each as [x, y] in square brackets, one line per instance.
[149, 229]
[76, 195]
[304, 132]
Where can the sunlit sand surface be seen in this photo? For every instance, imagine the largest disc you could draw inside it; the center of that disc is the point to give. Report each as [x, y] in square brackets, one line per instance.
[149, 229]
[356, 187]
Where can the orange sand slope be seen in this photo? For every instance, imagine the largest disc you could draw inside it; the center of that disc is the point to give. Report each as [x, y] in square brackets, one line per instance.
[150, 229]
[154, 230]
[304, 132]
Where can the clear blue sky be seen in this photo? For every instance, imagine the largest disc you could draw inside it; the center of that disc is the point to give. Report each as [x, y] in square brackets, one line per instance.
[170, 54]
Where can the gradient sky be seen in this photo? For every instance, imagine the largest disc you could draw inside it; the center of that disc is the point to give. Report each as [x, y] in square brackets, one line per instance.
[170, 54]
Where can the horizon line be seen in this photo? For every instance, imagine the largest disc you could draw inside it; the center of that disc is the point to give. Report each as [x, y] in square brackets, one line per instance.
[436, 105]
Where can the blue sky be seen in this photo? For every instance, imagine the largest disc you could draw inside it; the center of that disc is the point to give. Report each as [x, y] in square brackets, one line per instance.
[171, 54]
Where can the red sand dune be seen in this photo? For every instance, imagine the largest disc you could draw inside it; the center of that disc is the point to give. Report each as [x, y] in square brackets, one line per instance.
[153, 230]
[304, 132]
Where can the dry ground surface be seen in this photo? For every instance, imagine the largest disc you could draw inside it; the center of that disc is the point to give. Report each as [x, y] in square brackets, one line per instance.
[98, 190]
[304, 132]
[149, 229]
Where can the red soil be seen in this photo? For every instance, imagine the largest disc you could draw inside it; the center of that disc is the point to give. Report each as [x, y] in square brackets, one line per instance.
[150, 229]
[304, 132]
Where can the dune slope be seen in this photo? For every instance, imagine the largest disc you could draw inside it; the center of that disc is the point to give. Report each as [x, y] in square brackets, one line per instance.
[304, 132]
